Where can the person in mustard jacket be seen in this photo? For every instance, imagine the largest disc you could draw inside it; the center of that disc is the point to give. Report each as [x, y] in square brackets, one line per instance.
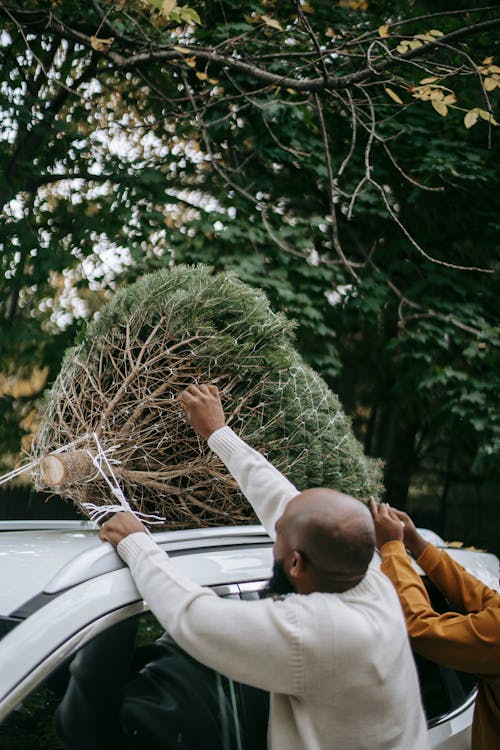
[467, 637]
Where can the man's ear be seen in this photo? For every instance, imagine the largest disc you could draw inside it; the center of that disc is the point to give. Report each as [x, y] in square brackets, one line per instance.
[297, 565]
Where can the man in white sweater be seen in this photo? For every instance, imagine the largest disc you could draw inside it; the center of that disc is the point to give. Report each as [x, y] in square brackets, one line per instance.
[334, 654]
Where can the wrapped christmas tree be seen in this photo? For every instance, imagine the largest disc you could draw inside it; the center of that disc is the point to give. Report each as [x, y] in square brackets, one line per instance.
[113, 423]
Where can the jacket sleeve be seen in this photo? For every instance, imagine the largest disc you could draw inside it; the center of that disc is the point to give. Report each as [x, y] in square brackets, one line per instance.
[464, 592]
[267, 490]
[468, 642]
[220, 633]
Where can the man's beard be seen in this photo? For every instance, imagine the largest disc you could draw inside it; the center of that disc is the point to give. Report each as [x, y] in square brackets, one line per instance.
[278, 584]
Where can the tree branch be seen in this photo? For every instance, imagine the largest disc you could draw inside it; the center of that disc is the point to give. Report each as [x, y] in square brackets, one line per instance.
[46, 20]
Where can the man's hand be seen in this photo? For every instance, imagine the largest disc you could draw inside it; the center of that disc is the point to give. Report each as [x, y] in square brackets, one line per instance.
[388, 527]
[412, 539]
[394, 525]
[203, 409]
[119, 526]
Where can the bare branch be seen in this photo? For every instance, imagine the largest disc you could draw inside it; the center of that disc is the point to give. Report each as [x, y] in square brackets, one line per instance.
[426, 313]
[354, 132]
[415, 244]
[332, 192]
[408, 177]
[46, 20]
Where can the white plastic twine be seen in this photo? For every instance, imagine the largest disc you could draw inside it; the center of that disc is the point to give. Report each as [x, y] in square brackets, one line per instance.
[17, 472]
[98, 512]
[33, 464]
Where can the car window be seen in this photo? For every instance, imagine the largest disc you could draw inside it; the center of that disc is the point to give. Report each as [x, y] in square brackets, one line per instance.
[443, 690]
[133, 688]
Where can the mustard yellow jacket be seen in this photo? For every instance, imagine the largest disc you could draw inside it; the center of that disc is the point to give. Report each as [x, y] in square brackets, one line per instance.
[466, 638]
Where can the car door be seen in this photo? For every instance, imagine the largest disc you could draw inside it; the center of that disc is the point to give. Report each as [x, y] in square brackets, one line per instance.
[119, 681]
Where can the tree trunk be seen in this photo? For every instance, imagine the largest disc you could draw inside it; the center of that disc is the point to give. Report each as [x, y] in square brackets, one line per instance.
[392, 438]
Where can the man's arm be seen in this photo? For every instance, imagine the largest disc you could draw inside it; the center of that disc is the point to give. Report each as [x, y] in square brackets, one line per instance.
[463, 590]
[469, 642]
[222, 634]
[265, 487]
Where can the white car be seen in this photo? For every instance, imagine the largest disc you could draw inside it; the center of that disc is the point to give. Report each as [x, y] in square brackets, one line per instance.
[82, 659]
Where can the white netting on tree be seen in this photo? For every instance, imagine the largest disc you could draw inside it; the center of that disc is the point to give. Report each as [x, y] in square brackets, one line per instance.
[115, 403]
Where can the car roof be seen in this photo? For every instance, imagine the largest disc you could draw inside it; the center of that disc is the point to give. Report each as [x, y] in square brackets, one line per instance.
[44, 557]
[29, 560]
[53, 556]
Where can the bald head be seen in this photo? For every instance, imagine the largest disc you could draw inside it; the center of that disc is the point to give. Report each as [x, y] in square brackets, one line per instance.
[333, 532]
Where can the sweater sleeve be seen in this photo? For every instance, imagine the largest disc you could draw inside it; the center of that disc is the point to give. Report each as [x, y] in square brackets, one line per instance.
[255, 642]
[265, 487]
[464, 592]
[468, 642]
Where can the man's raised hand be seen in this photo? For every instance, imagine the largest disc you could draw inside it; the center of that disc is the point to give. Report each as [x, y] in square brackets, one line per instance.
[388, 527]
[392, 525]
[203, 408]
[412, 539]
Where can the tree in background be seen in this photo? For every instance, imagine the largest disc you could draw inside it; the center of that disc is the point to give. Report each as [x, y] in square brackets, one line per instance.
[339, 155]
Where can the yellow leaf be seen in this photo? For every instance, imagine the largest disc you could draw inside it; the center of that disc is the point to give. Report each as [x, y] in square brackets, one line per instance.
[26, 442]
[383, 30]
[191, 61]
[488, 116]
[20, 387]
[167, 7]
[440, 107]
[38, 378]
[433, 79]
[354, 4]
[435, 32]
[450, 98]
[490, 84]
[100, 45]
[408, 45]
[182, 50]
[471, 118]
[422, 92]
[213, 80]
[28, 420]
[393, 95]
[494, 69]
[201, 76]
[488, 60]
[272, 22]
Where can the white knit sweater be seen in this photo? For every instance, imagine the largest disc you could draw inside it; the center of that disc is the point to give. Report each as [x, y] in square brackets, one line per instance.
[338, 666]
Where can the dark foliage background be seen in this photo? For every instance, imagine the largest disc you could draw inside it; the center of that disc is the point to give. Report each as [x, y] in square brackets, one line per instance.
[296, 144]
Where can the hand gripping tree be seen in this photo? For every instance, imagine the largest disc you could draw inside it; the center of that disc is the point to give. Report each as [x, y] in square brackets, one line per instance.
[113, 427]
